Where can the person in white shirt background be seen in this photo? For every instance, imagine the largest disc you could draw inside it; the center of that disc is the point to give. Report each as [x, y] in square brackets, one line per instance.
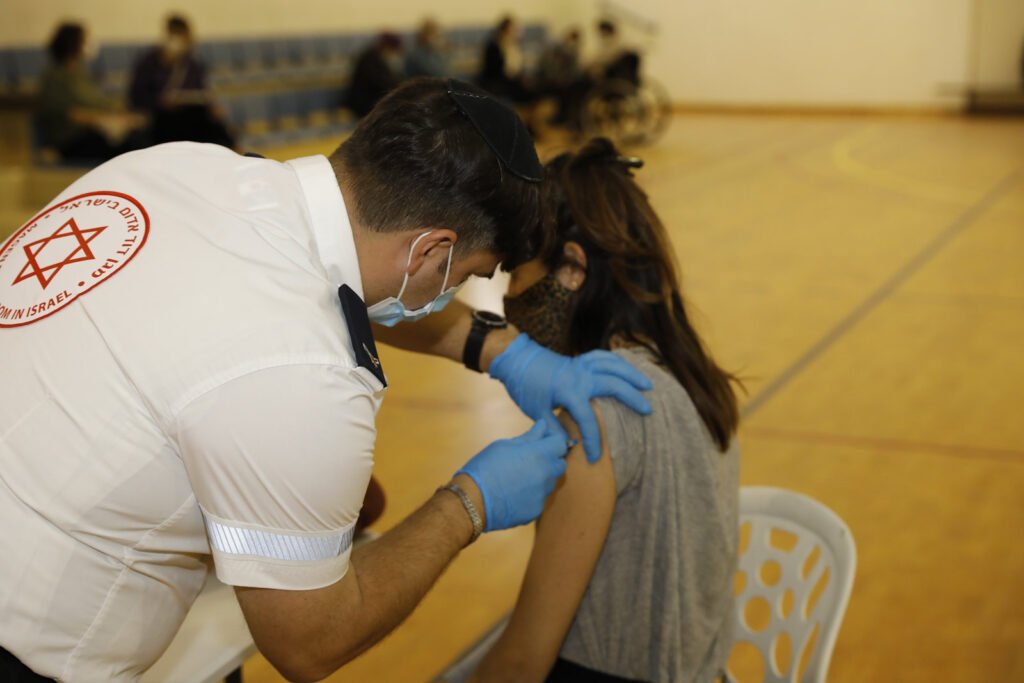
[190, 372]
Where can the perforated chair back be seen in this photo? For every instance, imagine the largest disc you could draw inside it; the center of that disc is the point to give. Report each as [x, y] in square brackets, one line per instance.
[795, 576]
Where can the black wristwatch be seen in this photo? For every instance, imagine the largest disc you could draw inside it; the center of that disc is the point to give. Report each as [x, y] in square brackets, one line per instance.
[483, 323]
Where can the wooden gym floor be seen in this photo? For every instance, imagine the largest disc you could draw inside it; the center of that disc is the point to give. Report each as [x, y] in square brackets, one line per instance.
[865, 275]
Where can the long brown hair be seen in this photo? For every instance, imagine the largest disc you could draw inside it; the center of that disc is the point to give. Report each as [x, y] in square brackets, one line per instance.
[631, 291]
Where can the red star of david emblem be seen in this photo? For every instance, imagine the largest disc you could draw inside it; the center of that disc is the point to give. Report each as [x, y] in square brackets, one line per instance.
[80, 251]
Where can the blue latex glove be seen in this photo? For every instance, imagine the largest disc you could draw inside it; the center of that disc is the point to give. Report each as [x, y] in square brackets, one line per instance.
[515, 476]
[540, 380]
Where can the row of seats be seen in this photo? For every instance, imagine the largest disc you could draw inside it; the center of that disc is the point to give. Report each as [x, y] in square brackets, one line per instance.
[310, 110]
[284, 116]
[241, 64]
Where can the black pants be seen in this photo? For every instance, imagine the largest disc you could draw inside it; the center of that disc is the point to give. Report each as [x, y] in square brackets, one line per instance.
[13, 671]
[565, 671]
[90, 145]
[195, 123]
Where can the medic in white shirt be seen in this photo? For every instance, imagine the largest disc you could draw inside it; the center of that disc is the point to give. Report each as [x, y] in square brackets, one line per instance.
[190, 371]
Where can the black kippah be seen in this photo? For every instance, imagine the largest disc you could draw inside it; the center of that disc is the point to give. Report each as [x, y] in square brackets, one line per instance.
[501, 129]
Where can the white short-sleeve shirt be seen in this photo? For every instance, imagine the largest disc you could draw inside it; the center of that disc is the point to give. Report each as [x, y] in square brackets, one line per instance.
[177, 382]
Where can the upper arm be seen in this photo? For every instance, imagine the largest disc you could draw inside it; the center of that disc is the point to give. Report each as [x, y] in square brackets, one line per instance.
[279, 461]
[568, 543]
[292, 628]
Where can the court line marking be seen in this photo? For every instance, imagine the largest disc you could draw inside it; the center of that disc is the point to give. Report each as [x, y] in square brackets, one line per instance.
[746, 157]
[888, 444]
[882, 292]
[844, 158]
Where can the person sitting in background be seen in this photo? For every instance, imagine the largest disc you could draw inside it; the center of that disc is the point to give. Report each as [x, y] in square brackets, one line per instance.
[612, 61]
[559, 63]
[73, 115]
[502, 70]
[631, 574]
[559, 76]
[169, 84]
[379, 69]
[609, 48]
[427, 55]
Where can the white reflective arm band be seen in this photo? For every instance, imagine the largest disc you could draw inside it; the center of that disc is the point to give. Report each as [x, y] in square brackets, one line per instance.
[235, 540]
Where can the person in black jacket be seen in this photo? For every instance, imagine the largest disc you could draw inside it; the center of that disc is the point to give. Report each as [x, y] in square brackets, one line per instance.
[169, 84]
[501, 73]
[379, 69]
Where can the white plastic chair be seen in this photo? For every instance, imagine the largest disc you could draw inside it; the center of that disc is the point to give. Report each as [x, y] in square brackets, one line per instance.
[795, 576]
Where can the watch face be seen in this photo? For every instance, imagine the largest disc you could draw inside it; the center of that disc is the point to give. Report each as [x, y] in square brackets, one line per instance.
[490, 319]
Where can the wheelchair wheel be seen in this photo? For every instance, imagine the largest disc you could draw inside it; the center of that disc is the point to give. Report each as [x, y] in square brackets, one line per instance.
[627, 113]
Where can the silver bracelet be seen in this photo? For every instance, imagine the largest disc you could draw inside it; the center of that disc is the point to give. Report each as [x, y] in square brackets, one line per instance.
[474, 516]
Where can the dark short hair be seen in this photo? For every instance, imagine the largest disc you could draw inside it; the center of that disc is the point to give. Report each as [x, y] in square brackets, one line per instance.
[67, 42]
[415, 160]
[177, 24]
[390, 40]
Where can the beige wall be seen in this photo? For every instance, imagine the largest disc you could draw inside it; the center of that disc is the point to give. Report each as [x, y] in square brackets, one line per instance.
[29, 22]
[808, 52]
[998, 39]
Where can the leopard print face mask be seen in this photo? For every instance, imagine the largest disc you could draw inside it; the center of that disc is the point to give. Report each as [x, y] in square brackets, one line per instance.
[542, 312]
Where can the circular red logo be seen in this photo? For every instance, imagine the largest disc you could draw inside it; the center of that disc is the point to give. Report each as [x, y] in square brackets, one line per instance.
[65, 251]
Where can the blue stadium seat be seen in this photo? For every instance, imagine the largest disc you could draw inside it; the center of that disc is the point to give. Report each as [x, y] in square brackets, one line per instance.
[249, 54]
[29, 64]
[204, 53]
[217, 56]
[8, 70]
[534, 34]
[318, 48]
[316, 55]
[258, 128]
[220, 55]
[326, 100]
[237, 113]
[114, 64]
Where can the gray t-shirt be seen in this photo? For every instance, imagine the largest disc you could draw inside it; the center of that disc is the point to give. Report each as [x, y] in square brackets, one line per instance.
[660, 604]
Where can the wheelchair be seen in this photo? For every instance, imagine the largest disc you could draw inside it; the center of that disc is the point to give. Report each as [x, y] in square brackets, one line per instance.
[625, 107]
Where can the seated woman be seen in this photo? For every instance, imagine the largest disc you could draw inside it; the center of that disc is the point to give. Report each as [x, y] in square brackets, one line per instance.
[74, 116]
[631, 575]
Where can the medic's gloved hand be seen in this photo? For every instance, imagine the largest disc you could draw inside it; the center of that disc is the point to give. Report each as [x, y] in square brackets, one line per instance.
[539, 380]
[515, 476]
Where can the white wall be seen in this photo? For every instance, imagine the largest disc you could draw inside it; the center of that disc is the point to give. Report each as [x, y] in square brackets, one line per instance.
[875, 53]
[30, 22]
[997, 42]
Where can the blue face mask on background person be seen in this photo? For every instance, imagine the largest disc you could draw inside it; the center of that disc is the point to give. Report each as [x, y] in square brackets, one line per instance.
[391, 311]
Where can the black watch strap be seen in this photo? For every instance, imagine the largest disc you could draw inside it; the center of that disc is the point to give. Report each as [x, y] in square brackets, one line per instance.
[483, 323]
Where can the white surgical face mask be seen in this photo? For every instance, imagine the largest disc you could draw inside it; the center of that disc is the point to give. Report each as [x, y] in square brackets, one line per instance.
[175, 46]
[391, 311]
[90, 51]
[395, 62]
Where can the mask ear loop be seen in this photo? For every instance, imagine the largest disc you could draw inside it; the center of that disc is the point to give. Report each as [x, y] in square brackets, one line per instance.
[405, 278]
[444, 285]
[448, 269]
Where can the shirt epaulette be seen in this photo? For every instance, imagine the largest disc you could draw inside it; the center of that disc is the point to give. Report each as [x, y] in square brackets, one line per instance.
[360, 332]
